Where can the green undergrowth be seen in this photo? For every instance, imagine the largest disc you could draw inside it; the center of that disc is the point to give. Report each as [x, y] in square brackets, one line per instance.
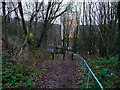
[17, 75]
[106, 71]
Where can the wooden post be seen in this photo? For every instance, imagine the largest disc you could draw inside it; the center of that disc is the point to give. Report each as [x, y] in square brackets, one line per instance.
[72, 57]
[53, 56]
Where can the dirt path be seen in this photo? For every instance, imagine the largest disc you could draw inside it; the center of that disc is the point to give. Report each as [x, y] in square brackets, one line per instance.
[61, 74]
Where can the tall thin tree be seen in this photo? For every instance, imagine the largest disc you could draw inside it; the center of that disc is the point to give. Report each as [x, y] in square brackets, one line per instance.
[4, 25]
[118, 13]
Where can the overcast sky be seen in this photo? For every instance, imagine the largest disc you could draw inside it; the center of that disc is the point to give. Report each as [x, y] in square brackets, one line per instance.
[64, 2]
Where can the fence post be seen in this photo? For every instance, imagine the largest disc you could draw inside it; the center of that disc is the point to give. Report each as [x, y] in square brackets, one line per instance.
[53, 56]
[84, 66]
[90, 71]
[82, 63]
[72, 56]
[77, 60]
[88, 79]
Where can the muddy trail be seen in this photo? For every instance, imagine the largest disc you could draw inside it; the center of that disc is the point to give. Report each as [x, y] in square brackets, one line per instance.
[61, 74]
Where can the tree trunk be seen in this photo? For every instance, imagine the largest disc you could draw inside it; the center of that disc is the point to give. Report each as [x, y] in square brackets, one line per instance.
[83, 30]
[23, 21]
[41, 38]
[67, 42]
[90, 33]
[118, 13]
[5, 39]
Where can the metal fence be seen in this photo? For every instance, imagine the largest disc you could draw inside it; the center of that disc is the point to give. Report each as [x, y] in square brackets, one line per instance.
[84, 63]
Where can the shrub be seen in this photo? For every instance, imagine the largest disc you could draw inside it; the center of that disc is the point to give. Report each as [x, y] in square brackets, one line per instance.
[5, 55]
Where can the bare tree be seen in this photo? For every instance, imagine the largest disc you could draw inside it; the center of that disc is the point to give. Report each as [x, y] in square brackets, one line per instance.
[49, 15]
[33, 15]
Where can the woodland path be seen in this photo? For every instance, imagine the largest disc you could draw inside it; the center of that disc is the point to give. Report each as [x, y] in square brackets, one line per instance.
[61, 74]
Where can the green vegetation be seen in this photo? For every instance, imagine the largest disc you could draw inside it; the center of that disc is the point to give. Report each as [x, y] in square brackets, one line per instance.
[17, 75]
[106, 70]
[62, 50]
[70, 39]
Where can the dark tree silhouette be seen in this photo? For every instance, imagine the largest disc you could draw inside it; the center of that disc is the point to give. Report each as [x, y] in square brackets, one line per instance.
[118, 13]
[5, 40]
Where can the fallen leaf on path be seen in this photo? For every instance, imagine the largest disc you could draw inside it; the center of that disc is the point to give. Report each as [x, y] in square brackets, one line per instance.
[45, 77]
[41, 81]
